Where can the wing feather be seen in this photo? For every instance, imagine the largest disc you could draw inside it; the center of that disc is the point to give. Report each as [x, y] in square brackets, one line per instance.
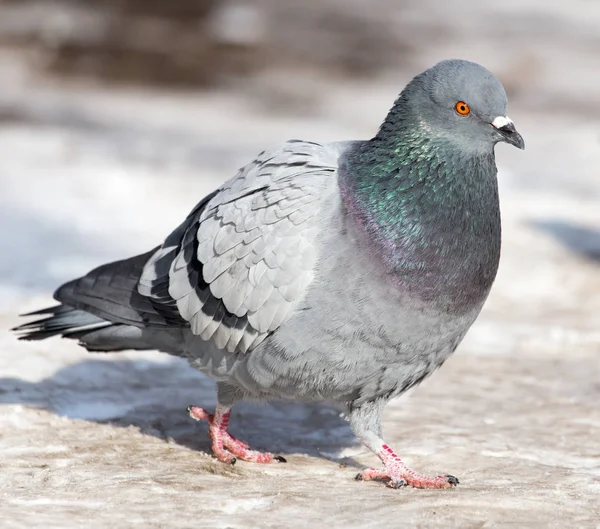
[245, 257]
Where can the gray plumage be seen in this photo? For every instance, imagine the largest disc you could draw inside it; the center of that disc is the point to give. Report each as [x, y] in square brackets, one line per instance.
[345, 272]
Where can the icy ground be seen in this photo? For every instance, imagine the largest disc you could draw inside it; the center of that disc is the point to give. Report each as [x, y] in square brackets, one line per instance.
[105, 441]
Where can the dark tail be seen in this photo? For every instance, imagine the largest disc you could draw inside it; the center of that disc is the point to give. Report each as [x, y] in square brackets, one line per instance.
[103, 310]
[59, 320]
[92, 332]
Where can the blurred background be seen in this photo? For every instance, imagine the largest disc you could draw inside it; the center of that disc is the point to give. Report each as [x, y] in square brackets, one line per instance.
[117, 117]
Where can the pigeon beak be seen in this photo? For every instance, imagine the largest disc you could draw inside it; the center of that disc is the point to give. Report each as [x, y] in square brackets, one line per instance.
[507, 130]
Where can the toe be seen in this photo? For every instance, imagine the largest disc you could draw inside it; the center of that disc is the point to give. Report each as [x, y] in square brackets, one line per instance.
[199, 414]
[255, 457]
[241, 451]
[439, 482]
[224, 456]
[369, 474]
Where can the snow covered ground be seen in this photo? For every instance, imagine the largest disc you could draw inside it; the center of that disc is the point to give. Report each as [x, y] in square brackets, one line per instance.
[89, 175]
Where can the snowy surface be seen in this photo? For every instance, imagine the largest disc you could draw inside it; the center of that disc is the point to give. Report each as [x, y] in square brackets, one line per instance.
[86, 440]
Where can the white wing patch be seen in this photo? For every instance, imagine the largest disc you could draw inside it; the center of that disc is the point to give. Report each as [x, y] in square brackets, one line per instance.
[255, 247]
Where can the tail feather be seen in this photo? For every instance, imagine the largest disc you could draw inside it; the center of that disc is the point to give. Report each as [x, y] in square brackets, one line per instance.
[61, 320]
[56, 309]
[95, 333]
[104, 311]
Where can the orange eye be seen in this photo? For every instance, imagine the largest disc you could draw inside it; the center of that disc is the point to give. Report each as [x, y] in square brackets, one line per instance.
[462, 108]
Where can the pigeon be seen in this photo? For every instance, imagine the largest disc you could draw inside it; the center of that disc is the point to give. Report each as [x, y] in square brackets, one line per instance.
[343, 272]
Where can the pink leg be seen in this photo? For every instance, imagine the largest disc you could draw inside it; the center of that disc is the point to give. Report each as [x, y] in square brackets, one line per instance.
[201, 414]
[365, 421]
[226, 447]
[400, 475]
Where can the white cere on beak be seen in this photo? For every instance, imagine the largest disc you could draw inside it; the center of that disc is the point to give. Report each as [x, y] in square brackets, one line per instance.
[502, 121]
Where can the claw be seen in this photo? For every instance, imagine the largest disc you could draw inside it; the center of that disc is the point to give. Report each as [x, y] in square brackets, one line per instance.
[398, 483]
[280, 459]
[452, 480]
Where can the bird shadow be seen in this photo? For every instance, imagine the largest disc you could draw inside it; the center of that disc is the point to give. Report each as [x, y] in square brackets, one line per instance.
[152, 396]
[578, 239]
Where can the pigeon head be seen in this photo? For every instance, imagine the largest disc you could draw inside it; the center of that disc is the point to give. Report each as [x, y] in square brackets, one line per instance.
[459, 101]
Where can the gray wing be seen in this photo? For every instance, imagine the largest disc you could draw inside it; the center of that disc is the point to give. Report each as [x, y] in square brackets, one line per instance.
[243, 259]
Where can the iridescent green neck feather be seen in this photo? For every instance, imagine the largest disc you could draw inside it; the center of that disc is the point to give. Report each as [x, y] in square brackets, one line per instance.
[429, 209]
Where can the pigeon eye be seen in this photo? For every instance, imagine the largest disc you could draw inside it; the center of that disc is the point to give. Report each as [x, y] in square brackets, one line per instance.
[462, 108]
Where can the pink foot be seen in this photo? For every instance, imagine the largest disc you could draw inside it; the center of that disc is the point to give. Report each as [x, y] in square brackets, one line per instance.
[399, 475]
[227, 448]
